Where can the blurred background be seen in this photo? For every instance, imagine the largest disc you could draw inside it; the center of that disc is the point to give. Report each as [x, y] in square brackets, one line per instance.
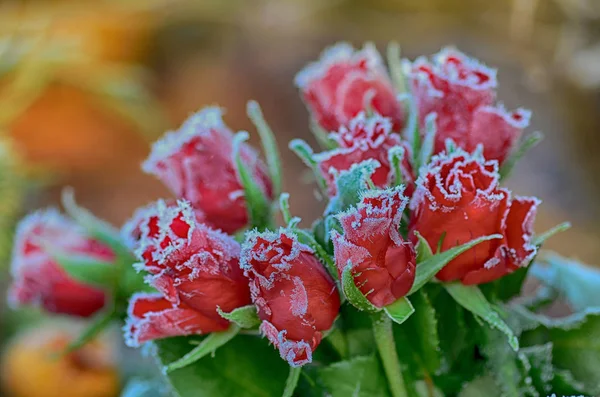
[86, 86]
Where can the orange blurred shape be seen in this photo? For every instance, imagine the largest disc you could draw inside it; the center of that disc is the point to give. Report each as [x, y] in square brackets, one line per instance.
[31, 366]
[67, 128]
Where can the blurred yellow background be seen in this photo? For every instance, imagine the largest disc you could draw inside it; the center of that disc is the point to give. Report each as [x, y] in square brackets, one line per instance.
[85, 86]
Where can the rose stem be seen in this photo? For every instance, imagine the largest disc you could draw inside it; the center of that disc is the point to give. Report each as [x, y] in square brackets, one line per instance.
[382, 330]
[292, 381]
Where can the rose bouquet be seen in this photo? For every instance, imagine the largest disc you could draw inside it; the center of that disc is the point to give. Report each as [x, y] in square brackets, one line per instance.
[408, 284]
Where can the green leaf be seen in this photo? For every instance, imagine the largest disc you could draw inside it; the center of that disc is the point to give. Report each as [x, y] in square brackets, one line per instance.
[574, 281]
[427, 269]
[423, 249]
[576, 341]
[243, 317]
[358, 377]
[259, 208]
[304, 151]
[527, 143]
[88, 270]
[246, 366]
[353, 294]
[539, 240]
[208, 346]
[417, 341]
[269, 144]
[508, 286]
[350, 185]
[459, 336]
[482, 386]
[471, 298]
[96, 227]
[509, 369]
[400, 310]
[542, 370]
[284, 207]
[422, 330]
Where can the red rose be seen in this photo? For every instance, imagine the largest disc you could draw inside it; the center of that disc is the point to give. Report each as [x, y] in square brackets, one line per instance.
[151, 316]
[462, 92]
[383, 264]
[296, 299]
[458, 195]
[364, 138]
[196, 163]
[345, 82]
[190, 263]
[39, 280]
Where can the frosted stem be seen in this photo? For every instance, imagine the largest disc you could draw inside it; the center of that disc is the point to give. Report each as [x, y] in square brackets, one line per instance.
[292, 381]
[382, 330]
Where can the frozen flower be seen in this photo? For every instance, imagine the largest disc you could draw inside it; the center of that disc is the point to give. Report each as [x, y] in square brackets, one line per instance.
[382, 263]
[296, 299]
[39, 280]
[462, 92]
[345, 82]
[458, 199]
[196, 163]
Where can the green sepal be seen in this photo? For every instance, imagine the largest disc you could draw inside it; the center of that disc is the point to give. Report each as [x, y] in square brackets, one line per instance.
[361, 376]
[526, 144]
[322, 136]
[243, 317]
[259, 208]
[400, 310]
[472, 299]
[305, 153]
[208, 346]
[269, 144]
[95, 227]
[541, 239]
[306, 237]
[350, 184]
[98, 324]
[87, 270]
[427, 146]
[353, 294]
[431, 265]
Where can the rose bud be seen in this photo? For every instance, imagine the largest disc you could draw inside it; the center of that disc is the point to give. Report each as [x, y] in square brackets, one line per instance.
[196, 163]
[462, 92]
[151, 316]
[458, 199]
[296, 298]
[364, 138]
[190, 263]
[39, 280]
[345, 82]
[382, 263]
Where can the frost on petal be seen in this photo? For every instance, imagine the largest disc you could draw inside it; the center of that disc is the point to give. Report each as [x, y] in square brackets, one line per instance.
[37, 280]
[296, 353]
[267, 255]
[345, 82]
[379, 212]
[196, 163]
[151, 317]
[519, 229]
[296, 298]
[498, 130]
